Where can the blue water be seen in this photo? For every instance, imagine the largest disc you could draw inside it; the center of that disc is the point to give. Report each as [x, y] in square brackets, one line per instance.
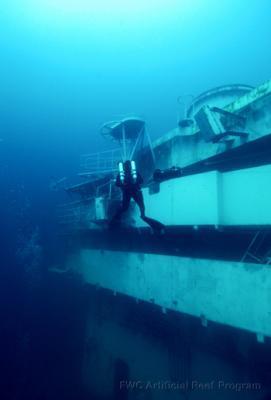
[67, 67]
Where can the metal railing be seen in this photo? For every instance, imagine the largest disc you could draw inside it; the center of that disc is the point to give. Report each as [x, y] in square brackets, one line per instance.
[100, 163]
[75, 213]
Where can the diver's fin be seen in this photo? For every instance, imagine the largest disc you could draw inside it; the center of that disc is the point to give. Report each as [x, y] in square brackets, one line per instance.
[113, 224]
[155, 225]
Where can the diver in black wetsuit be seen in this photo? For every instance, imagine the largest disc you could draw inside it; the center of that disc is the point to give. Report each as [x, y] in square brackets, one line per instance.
[130, 181]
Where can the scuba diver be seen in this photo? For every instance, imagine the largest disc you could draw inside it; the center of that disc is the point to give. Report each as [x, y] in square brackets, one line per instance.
[130, 181]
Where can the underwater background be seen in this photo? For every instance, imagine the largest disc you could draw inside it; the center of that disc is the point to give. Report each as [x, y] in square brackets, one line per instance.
[66, 68]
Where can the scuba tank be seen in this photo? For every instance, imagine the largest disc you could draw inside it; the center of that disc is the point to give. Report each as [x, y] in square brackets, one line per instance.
[133, 171]
[121, 172]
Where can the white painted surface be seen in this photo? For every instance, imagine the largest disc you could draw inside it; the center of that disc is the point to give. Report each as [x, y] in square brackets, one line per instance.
[100, 208]
[230, 293]
[240, 197]
[191, 200]
[247, 197]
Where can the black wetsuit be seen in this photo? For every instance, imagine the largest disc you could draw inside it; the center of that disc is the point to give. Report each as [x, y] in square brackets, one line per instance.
[132, 190]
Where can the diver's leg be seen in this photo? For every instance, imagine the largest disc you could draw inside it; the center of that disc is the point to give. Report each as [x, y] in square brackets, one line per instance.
[138, 198]
[155, 225]
[126, 198]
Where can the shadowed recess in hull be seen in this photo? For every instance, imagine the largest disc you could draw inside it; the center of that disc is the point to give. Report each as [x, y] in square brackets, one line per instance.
[249, 244]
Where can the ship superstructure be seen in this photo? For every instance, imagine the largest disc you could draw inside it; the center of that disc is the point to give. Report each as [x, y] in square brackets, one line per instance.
[208, 180]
